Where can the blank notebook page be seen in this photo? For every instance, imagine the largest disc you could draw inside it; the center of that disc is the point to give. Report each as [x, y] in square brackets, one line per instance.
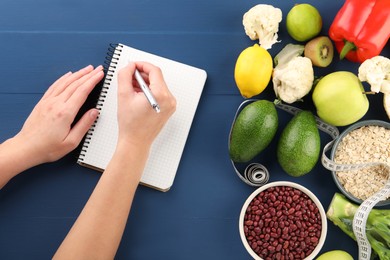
[186, 84]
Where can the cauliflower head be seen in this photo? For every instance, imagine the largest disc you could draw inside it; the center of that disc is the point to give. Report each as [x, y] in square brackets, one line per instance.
[262, 22]
[294, 79]
[376, 71]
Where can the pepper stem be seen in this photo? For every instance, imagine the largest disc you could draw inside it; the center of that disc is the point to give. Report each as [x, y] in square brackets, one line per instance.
[348, 46]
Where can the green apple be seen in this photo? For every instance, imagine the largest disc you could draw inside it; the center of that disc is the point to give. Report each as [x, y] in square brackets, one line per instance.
[335, 254]
[340, 99]
[303, 22]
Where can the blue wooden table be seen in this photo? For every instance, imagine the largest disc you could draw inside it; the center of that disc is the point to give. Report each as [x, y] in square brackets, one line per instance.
[198, 218]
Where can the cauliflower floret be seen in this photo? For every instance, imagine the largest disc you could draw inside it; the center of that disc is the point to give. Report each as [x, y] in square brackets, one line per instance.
[262, 22]
[376, 71]
[294, 79]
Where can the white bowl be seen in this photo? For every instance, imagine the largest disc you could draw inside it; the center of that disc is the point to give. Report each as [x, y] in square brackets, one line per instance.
[321, 211]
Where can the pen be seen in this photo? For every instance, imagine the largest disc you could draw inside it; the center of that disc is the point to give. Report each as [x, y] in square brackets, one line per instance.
[145, 88]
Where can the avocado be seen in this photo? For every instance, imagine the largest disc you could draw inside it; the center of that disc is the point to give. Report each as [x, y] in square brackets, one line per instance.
[253, 130]
[299, 145]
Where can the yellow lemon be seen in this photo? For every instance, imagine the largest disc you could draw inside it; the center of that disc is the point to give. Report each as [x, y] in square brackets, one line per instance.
[253, 70]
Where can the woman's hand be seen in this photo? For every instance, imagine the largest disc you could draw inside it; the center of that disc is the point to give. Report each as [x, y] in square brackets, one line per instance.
[138, 122]
[47, 133]
[99, 228]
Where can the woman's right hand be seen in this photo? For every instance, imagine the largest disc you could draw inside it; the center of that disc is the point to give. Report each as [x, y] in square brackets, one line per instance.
[138, 122]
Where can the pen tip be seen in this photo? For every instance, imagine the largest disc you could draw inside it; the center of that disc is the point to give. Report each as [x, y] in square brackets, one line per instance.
[157, 108]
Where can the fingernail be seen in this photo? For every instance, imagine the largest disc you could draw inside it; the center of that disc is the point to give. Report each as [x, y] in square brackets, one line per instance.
[94, 113]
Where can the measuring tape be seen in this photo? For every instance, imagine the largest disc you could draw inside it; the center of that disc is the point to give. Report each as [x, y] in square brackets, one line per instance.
[256, 174]
[361, 215]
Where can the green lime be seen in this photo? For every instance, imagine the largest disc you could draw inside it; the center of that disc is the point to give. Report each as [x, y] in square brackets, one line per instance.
[303, 22]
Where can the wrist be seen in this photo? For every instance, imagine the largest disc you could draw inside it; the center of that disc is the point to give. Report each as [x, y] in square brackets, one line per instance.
[128, 146]
[14, 159]
[128, 161]
[22, 152]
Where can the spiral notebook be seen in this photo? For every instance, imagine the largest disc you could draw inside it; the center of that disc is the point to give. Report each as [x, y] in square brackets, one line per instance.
[186, 84]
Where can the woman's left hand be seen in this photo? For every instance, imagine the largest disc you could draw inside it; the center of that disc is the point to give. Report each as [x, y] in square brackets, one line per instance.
[48, 133]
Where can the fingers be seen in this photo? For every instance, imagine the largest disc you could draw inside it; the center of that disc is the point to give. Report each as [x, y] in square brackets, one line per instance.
[78, 131]
[125, 80]
[55, 85]
[127, 88]
[158, 86]
[81, 92]
[73, 87]
[62, 83]
[155, 76]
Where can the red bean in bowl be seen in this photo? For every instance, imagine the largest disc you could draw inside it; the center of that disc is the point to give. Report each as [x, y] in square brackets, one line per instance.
[283, 220]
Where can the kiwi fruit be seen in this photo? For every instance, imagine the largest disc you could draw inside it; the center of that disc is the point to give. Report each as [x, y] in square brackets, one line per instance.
[320, 51]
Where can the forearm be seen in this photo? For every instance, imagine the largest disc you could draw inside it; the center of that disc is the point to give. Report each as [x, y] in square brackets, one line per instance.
[14, 159]
[98, 230]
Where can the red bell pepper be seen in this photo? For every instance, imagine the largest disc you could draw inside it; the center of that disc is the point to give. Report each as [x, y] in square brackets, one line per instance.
[361, 29]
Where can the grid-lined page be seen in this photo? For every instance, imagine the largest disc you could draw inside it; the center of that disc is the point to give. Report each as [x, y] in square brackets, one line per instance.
[186, 84]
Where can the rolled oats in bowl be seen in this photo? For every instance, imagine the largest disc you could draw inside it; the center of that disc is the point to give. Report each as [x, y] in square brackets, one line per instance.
[364, 142]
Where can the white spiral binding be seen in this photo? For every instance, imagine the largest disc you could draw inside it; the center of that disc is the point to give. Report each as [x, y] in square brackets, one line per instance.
[361, 215]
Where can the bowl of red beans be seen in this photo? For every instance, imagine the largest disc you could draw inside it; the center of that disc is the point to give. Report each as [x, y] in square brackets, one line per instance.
[283, 220]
